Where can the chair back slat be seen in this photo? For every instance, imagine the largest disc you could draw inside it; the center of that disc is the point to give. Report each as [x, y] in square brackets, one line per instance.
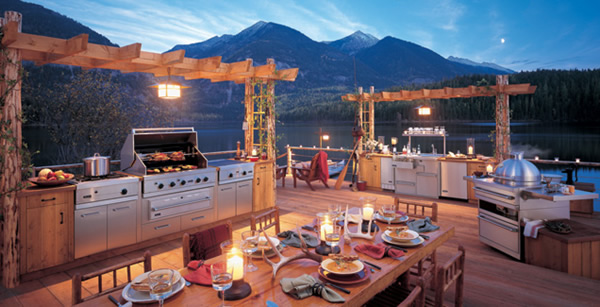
[266, 220]
[452, 272]
[417, 210]
[77, 279]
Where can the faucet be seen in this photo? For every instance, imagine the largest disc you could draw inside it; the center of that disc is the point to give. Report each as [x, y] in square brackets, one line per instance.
[433, 151]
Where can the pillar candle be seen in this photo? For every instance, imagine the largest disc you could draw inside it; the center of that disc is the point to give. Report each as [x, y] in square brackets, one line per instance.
[238, 266]
[368, 213]
[489, 168]
[470, 150]
[326, 228]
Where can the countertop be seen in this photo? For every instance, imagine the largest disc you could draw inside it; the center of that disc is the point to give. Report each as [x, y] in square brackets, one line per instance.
[34, 189]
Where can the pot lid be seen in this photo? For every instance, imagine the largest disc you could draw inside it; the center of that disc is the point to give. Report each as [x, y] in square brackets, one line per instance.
[96, 156]
[518, 170]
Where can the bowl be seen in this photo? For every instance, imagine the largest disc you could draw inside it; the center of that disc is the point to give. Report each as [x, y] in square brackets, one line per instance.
[50, 183]
[402, 236]
[347, 268]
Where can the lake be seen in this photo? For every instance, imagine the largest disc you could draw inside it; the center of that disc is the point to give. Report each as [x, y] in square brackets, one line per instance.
[547, 141]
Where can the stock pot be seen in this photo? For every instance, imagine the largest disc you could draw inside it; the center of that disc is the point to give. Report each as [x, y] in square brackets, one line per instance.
[96, 166]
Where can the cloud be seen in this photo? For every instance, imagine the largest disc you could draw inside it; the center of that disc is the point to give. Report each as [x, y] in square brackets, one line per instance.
[446, 14]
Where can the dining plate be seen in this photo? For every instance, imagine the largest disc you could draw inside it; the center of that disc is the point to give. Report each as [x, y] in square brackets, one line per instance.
[345, 279]
[269, 253]
[143, 297]
[410, 235]
[354, 267]
[411, 243]
[140, 278]
[403, 218]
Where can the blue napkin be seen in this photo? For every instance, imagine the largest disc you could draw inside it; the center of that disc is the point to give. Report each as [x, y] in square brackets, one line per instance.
[424, 225]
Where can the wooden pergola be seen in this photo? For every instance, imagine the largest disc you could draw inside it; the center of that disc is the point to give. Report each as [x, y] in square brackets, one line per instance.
[502, 90]
[77, 51]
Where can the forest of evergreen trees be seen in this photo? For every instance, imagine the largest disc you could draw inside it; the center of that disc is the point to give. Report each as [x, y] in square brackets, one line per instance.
[561, 96]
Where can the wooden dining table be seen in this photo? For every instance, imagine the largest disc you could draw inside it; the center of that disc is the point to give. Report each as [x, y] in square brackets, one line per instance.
[266, 288]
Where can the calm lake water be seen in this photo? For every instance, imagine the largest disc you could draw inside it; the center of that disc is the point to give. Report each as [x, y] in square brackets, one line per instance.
[544, 140]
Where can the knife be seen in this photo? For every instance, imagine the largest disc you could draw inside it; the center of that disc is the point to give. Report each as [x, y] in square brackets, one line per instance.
[114, 300]
[397, 247]
[338, 287]
[425, 237]
[375, 266]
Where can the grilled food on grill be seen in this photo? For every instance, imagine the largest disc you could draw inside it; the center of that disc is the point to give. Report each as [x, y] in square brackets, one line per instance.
[177, 156]
[159, 156]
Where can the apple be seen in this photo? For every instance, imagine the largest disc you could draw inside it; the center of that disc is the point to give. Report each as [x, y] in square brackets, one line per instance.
[59, 173]
[52, 179]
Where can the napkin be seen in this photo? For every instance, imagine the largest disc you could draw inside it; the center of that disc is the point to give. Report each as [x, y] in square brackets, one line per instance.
[532, 227]
[424, 225]
[291, 238]
[378, 251]
[311, 226]
[200, 276]
[306, 285]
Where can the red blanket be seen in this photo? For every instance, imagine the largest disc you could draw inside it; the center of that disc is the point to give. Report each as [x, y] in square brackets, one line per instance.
[322, 167]
[206, 244]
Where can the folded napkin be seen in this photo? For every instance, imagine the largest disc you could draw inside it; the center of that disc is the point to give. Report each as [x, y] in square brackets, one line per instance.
[198, 274]
[306, 285]
[365, 227]
[424, 225]
[291, 238]
[378, 251]
[532, 227]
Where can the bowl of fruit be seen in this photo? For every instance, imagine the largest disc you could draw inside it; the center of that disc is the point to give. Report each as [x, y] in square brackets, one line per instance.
[47, 177]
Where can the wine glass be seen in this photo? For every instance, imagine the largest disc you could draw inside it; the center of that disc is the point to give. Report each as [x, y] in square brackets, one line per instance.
[388, 212]
[250, 245]
[222, 278]
[161, 284]
[336, 211]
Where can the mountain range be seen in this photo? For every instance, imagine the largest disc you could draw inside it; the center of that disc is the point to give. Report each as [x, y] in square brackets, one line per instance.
[333, 67]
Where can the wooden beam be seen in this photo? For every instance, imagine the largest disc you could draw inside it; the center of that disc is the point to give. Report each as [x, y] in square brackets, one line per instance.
[74, 46]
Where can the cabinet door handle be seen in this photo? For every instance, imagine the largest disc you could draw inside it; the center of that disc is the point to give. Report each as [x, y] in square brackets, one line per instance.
[257, 180]
[243, 185]
[120, 208]
[263, 167]
[197, 218]
[162, 226]
[62, 218]
[91, 213]
[49, 199]
[225, 189]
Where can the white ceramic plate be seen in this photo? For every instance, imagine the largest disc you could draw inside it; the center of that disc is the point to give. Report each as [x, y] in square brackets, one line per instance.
[360, 266]
[144, 296]
[413, 235]
[401, 219]
[411, 243]
[269, 253]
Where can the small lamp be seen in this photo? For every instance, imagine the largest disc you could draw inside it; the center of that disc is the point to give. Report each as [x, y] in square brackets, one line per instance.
[394, 141]
[423, 110]
[368, 207]
[470, 147]
[233, 252]
[169, 89]
[489, 169]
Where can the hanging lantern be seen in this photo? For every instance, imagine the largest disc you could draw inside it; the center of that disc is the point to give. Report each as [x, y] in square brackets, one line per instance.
[169, 89]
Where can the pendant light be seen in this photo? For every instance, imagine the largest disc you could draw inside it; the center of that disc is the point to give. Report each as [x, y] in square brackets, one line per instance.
[169, 89]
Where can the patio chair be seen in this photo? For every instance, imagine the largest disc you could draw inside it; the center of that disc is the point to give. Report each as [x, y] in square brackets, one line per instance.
[280, 172]
[318, 170]
[395, 295]
[205, 244]
[266, 220]
[453, 271]
[77, 279]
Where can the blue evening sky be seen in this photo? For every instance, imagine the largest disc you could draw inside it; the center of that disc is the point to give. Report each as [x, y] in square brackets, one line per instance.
[521, 35]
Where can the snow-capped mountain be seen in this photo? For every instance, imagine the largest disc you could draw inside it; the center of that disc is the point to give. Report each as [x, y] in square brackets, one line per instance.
[354, 42]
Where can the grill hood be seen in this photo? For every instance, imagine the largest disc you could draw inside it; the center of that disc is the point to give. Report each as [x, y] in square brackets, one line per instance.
[517, 172]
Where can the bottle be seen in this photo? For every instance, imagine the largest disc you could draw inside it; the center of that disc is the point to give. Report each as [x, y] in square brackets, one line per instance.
[418, 149]
[404, 150]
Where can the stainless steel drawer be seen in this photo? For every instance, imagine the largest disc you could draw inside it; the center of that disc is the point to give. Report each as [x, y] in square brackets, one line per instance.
[161, 228]
[198, 218]
[90, 231]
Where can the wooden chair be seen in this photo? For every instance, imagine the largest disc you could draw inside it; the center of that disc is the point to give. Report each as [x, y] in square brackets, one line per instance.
[395, 295]
[280, 172]
[420, 211]
[310, 174]
[452, 272]
[266, 220]
[77, 279]
[205, 244]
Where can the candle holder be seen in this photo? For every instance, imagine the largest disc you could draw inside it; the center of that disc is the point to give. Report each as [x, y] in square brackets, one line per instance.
[470, 147]
[358, 233]
[329, 233]
[239, 288]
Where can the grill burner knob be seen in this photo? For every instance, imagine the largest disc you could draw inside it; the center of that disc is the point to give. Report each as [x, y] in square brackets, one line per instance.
[172, 184]
[205, 179]
[230, 175]
[182, 182]
[244, 173]
[124, 192]
[198, 180]
[160, 185]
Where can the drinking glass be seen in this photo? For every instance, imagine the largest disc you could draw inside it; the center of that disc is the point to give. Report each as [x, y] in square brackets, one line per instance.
[388, 212]
[222, 278]
[250, 245]
[336, 211]
[161, 284]
[332, 235]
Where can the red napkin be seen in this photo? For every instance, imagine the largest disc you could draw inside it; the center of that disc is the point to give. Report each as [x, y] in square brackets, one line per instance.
[323, 167]
[378, 251]
[198, 275]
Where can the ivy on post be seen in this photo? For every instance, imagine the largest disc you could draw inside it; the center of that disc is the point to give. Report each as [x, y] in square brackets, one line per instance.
[502, 120]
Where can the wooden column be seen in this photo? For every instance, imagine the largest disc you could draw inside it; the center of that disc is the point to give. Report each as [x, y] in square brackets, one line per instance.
[248, 118]
[10, 148]
[371, 114]
[270, 118]
[360, 148]
[502, 121]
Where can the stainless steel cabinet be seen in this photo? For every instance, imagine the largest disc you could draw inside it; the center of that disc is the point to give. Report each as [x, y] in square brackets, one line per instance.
[121, 222]
[226, 200]
[244, 197]
[387, 174]
[90, 231]
[453, 184]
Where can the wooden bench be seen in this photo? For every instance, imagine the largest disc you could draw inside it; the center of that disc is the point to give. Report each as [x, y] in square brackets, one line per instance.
[576, 253]
[585, 206]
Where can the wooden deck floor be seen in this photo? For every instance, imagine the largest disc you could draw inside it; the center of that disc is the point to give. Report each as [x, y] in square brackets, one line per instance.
[491, 278]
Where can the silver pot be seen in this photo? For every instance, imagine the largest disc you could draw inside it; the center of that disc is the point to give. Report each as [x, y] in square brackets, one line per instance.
[96, 166]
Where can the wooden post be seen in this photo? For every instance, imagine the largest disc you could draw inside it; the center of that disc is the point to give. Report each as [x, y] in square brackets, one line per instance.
[502, 121]
[248, 118]
[371, 114]
[360, 120]
[270, 118]
[12, 160]
[289, 159]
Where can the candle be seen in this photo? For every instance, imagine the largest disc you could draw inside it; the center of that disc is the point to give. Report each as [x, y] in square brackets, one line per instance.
[556, 159]
[489, 168]
[577, 160]
[537, 158]
[326, 228]
[254, 152]
[367, 212]
[470, 150]
[238, 265]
